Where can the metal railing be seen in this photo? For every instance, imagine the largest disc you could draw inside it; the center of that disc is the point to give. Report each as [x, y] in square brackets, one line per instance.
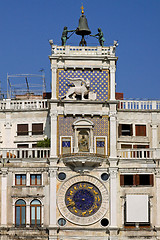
[19, 153]
[139, 105]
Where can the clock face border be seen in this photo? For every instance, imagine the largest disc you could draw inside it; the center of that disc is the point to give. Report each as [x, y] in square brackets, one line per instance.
[77, 219]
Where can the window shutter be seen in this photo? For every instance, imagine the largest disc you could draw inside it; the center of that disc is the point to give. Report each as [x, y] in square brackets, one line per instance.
[121, 180]
[22, 129]
[119, 130]
[151, 180]
[131, 130]
[37, 128]
[137, 180]
[140, 130]
[134, 180]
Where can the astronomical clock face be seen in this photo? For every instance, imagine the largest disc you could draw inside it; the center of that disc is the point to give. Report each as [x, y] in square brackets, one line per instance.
[83, 200]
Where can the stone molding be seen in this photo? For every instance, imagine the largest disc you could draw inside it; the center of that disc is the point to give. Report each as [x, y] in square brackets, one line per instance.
[4, 172]
[113, 172]
[112, 69]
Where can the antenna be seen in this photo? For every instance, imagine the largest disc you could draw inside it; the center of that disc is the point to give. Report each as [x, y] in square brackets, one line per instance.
[43, 76]
[24, 84]
[27, 85]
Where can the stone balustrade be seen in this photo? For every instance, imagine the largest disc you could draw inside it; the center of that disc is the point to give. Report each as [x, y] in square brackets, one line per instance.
[8, 104]
[139, 153]
[79, 50]
[139, 105]
[19, 153]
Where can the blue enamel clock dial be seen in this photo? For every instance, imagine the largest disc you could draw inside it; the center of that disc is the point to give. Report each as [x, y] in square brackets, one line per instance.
[83, 199]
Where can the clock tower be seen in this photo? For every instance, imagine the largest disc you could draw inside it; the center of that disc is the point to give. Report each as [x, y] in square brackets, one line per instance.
[83, 173]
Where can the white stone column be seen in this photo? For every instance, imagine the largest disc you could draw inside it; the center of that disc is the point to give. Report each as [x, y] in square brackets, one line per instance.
[27, 213]
[54, 82]
[91, 140]
[157, 190]
[113, 134]
[28, 179]
[53, 152]
[7, 135]
[30, 129]
[154, 135]
[52, 198]
[75, 140]
[4, 173]
[112, 80]
[113, 197]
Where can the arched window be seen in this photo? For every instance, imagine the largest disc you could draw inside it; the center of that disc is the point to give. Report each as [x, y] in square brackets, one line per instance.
[20, 213]
[35, 212]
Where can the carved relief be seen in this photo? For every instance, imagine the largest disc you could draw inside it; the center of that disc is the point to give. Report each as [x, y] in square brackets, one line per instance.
[8, 124]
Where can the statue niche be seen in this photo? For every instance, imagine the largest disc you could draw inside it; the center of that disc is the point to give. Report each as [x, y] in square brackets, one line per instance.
[83, 141]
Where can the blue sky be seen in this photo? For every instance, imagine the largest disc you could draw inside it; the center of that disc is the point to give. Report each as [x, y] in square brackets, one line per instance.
[27, 25]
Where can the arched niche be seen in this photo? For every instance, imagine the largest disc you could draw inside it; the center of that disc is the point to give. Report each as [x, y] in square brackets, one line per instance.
[83, 136]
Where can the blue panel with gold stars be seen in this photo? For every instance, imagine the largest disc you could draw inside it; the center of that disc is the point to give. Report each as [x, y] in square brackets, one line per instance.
[99, 82]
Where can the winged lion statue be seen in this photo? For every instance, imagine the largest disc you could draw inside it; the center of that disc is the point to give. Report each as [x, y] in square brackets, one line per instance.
[78, 86]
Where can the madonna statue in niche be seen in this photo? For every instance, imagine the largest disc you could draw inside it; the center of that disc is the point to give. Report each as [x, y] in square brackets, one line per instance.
[83, 141]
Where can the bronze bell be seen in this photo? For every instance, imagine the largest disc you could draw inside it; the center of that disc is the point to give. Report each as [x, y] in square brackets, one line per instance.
[83, 28]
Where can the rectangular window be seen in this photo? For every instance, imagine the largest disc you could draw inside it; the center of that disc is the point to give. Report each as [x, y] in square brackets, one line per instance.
[140, 130]
[126, 180]
[20, 179]
[100, 145]
[126, 146]
[65, 145]
[34, 145]
[136, 180]
[125, 130]
[37, 128]
[22, 146]
[35, 179]
[145, 179]
[22, 129]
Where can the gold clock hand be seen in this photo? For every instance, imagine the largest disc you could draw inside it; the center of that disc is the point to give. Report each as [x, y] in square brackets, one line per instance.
[71, 204]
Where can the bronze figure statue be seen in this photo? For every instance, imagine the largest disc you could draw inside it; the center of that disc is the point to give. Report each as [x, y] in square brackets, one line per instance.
[100, 37]
[65, 35]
